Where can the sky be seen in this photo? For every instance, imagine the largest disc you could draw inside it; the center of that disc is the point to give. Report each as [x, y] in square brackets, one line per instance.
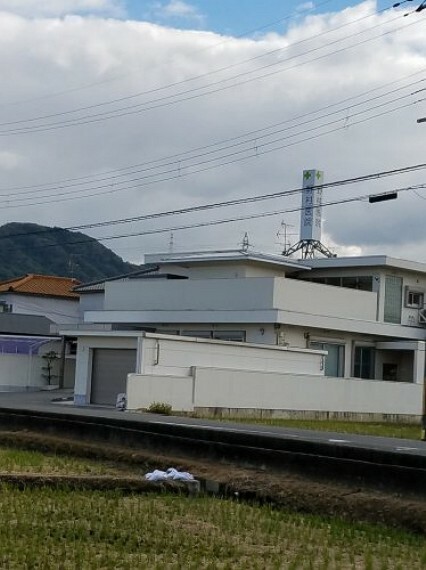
[235, 17]
[115, 116]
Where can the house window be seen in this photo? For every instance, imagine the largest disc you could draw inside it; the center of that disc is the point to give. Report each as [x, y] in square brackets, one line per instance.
[393, 299]
[335, 359]
[5, 307]
[233, 336]
[414, 299]
[363, 283]
[198, 334]
[364, 358]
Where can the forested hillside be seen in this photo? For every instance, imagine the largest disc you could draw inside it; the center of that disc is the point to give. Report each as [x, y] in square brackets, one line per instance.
[31, 248]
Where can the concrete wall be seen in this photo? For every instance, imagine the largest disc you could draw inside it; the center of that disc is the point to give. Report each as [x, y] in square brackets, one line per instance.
[174, 355]
[416, 281]
[234, 295]
[249, 391]
[91, 302]
[20, 372]
[316, 299]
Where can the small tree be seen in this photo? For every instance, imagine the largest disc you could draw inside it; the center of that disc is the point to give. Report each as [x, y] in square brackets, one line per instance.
[49, 358]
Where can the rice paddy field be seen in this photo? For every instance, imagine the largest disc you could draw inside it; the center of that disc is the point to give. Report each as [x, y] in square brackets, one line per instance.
[48, 528]
[26, 461]
[59, 528]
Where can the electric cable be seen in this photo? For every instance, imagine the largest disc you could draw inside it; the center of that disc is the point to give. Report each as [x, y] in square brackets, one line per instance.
[165, 101]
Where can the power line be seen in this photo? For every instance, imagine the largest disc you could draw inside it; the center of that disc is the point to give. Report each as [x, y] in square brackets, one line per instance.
[290, 16]
[227, 203]
[223, 220]
[197, 77]
[254, 216]
[253, 153]
[171, 99]
[179, 159]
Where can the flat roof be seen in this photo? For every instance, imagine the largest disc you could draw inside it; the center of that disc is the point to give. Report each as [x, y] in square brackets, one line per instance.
[222, 256]
[364, 261]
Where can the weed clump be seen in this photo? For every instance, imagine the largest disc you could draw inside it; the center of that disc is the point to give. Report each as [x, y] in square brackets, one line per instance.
[160, 408]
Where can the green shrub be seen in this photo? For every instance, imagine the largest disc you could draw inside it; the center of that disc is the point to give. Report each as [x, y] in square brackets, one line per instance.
[160, 408]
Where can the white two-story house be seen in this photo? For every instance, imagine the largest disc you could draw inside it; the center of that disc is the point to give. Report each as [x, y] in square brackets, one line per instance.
[367, 313]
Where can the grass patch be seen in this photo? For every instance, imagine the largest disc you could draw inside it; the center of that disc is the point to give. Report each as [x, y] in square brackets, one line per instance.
[45, 528]
[402, 431]
[14, 460]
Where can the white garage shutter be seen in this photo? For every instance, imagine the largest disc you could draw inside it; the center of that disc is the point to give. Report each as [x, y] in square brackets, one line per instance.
[109, 373]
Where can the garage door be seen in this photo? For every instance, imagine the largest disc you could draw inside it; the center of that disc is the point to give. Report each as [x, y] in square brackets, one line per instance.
[109, 373]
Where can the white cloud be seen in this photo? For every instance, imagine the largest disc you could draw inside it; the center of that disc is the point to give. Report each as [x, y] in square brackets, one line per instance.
[177, 10]
[305, 6]
[53, 8]
[57, 65]
[8, 160]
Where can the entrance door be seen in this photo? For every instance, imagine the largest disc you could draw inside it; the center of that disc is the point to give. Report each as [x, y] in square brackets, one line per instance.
[109, 373]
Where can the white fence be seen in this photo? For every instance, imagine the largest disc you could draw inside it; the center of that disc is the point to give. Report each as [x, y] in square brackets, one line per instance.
[243, 392]
[240, 379]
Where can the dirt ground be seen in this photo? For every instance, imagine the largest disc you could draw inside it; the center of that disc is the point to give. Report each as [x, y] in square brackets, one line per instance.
[282, 489]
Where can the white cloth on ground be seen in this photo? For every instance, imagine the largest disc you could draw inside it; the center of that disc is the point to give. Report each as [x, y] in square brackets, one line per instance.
[170, 475]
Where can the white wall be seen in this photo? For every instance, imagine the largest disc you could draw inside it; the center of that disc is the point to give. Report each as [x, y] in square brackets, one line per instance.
[190, 294]
[61, 311]
[90, 302]
[25, 371]
[242, 389]
[162, 355]
[316, 299]
[233, 295]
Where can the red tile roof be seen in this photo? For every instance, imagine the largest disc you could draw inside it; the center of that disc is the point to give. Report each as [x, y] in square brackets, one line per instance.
[48, 285]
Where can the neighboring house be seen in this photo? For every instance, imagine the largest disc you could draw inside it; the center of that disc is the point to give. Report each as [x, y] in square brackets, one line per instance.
[367, 313]
[43, 295]
[30, 307]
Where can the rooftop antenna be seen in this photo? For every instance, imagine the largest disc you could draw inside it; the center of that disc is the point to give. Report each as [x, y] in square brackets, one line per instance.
[245, 243]
[310, 218]
[71, 265]
[283, 232]
[171, 242]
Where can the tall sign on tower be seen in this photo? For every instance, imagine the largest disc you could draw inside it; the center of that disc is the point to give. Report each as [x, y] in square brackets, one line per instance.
[310, 217]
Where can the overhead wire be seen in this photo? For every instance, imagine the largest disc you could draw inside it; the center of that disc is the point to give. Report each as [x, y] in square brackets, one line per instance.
[185, 156]
[227, 203]
[296, 13]
[209, 73]
[258, 151]
[165, 101]
[210, 223]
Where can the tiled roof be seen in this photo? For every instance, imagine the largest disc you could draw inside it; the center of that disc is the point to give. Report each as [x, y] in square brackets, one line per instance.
[48, 285]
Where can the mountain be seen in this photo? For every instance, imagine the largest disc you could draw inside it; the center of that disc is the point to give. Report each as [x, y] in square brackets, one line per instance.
[31, 248]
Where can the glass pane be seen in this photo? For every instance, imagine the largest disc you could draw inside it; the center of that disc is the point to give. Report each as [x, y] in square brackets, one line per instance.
[393, 299]
[363, 283]
[364, 362]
